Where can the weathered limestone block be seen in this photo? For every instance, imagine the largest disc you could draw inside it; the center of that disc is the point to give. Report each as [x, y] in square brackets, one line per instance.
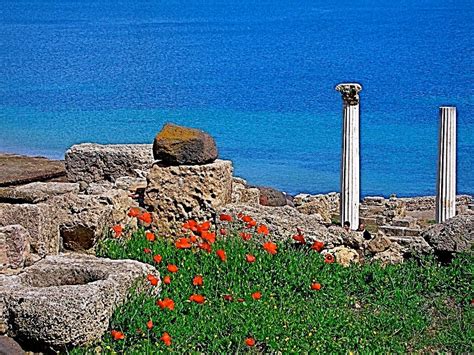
[95, 162]
[36, 191]
[14, 247]
[412, 245]
[284, 221]
[454, 235]
[393, 255]
[242, 193]
[325, 205]
[67, 300]
[178, 145]
[179, 193]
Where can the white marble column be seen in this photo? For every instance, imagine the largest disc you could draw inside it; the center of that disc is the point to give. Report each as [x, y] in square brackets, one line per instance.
[350, 162]
[446, 180]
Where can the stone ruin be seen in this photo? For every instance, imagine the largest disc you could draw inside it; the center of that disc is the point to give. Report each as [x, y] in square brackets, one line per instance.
[48, 228]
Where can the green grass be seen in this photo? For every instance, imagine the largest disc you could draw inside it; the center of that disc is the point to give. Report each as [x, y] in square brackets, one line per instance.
[416, 306]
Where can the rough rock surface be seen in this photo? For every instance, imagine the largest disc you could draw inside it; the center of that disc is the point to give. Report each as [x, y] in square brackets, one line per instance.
[96, 162]
[36, 191]
[323, 204]
[20, 169]
[454, 235]
[8, 346]
[14, 247]
[271, 197]
[412, 245]
[379, 244]
[178, 193]
[393, 255]
[345, 256]
[67, 300]
[284, 221]
[243, 193]
[178, 145]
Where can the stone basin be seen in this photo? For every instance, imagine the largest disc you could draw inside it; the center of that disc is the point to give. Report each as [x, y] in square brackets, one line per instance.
[66, 300]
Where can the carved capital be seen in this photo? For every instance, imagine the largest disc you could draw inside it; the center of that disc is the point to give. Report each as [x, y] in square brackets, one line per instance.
[349, 92]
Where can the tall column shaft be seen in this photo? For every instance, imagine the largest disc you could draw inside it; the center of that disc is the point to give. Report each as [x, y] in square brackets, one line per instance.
[446, 179]
[350, 161]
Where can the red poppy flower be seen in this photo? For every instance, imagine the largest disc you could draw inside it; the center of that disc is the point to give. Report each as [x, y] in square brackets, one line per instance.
[191, 225]
[147, 250]
[205, 246]
[250, 341]
[183, 243]
[117, 335]
[118, 229]
[318, 246]
[134, 212]
[221, 254]
[205, 226]
[223, 231]
[166, 339]
[299, 238]
[329, 258]
[145, 217]
[247, 219]
[149, 324]
[228, 298]
[270, 247]
[240, 215]
[193, 239]
[197, 298]
[225, 217]
[245, 236]
[262, 229]
[167, 280]
[251, 224]
[157, 258]
[197, 280]
[316, 286]
[250, 258]
[150, 236]
[153, 281]
[208, 236]
[166, 303]
[256, 295]
[172, 268]
[150, 277]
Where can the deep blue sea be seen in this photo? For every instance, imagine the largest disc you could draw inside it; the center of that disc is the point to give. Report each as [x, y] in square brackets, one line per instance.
[258, 75]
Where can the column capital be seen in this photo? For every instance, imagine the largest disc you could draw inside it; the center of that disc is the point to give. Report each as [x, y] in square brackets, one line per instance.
[349, 92]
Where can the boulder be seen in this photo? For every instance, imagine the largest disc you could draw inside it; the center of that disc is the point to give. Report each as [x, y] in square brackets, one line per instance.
[14, 247]
[379, 244]
[412, 245]
[453, 236]
[96, 162]
[271, 197]
[178, 193]
[393, 255]
[67, 300]
[178, 145]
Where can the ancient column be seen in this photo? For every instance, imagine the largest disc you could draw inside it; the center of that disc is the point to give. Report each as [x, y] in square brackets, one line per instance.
[446, 180]
[350, 162]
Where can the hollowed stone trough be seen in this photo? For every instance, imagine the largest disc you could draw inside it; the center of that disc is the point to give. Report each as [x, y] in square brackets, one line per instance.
[66, 300]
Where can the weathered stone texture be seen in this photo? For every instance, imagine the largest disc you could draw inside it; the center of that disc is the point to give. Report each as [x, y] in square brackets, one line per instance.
[179, 193]
[242, 193]
[345, 256]
[14, 247]
[8, 346]
[454, 235]
[178, 145]
[325, 205]
[95, 162]
[271, 197]
[67, 300]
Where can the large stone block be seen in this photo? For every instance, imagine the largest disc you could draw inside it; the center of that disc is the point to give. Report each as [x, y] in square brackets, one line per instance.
[95, 162]
[67, 300]
[14, 247]
[179, 193]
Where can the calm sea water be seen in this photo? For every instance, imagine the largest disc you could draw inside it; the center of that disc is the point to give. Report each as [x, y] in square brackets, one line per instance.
[258, 75]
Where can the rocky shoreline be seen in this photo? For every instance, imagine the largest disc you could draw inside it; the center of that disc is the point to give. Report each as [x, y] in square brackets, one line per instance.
[50, 210]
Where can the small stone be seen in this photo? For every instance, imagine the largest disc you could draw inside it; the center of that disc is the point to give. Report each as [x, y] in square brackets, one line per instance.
[178, 145]
[8, 346]
[345, 256]
[272, 197]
